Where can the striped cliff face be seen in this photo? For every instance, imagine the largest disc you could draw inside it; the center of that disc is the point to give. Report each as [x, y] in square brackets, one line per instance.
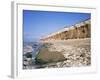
[79, 30]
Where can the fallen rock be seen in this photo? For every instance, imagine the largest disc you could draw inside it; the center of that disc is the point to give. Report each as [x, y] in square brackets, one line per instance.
[46, 56]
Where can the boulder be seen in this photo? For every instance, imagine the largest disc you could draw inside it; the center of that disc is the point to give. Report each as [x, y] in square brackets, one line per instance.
[45, 56]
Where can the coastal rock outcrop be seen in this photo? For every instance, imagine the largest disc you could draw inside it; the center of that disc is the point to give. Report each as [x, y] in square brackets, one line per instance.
[79, 30]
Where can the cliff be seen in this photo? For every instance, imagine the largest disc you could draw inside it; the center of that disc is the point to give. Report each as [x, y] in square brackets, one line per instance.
[79, 30]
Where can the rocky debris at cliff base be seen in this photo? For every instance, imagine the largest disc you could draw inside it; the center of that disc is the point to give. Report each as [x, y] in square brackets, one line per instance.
[76, 52]
[60, 54]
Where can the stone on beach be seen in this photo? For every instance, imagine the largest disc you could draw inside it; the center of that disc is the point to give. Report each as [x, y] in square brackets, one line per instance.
[75, 53]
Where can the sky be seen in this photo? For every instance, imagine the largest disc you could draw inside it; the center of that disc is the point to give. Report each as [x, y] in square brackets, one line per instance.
[37, 24]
